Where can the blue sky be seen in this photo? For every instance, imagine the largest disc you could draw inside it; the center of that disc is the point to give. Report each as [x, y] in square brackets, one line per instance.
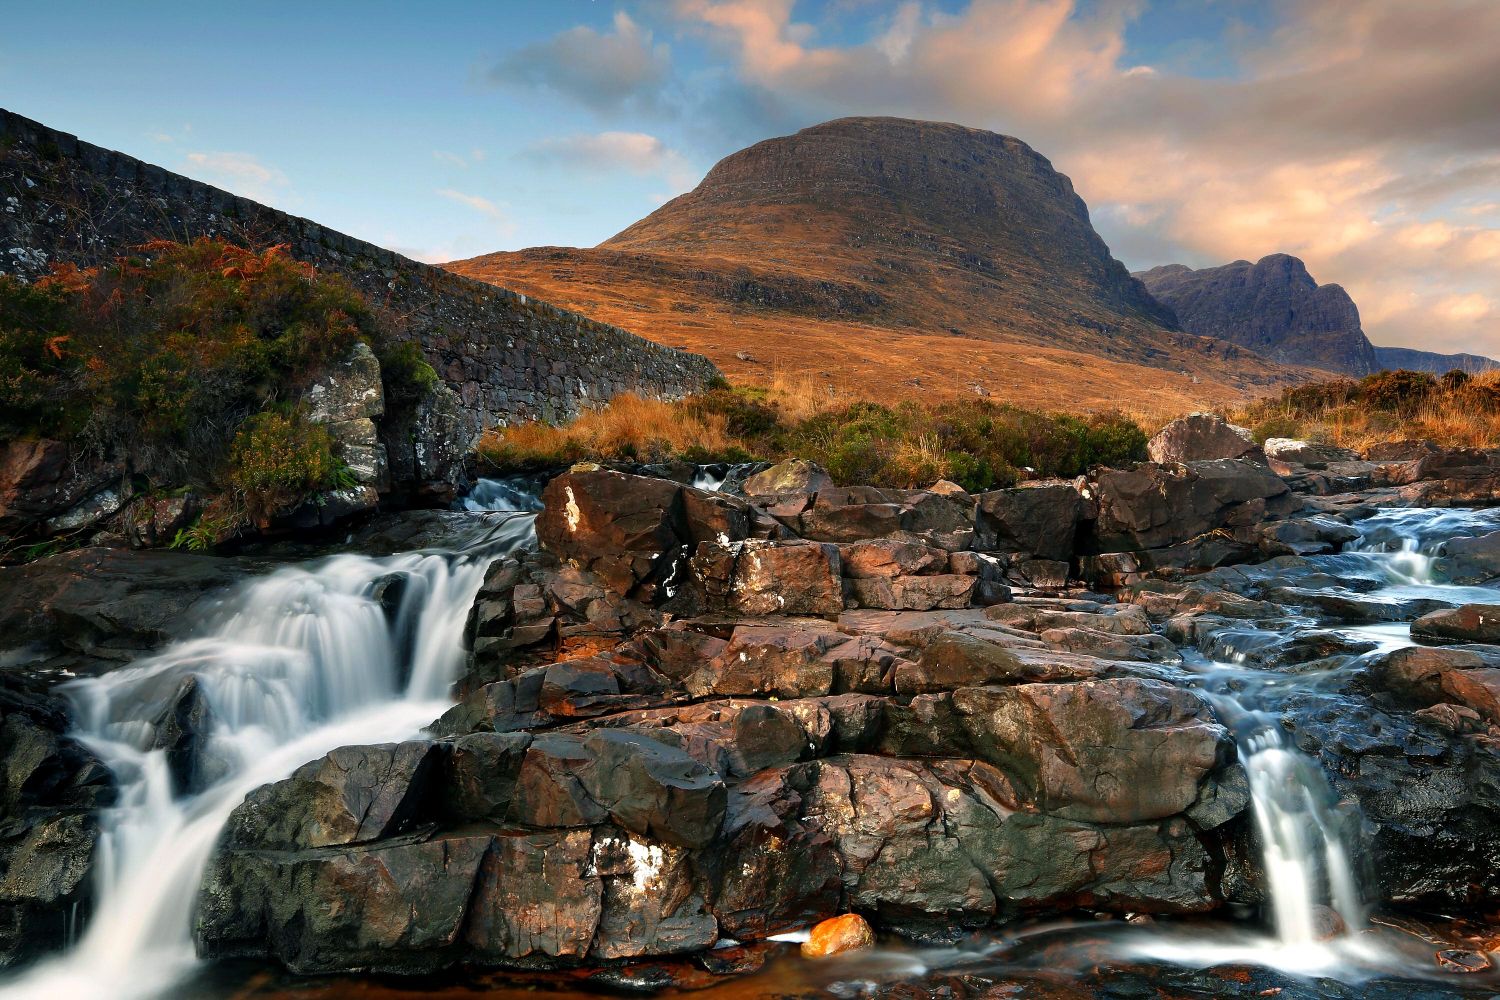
[1355, 133]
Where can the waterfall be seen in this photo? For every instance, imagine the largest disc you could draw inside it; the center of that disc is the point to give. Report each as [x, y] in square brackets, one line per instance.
[347, 650]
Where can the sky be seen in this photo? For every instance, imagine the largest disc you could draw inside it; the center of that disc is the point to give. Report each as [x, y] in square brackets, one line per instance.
[1360, 135]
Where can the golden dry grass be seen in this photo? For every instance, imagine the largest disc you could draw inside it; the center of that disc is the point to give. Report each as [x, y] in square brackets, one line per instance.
[645, 430]
[1453, 412]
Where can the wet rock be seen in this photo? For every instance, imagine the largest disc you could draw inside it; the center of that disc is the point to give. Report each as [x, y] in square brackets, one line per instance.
[353, 795]
[795, 475]
[99, 607]
[1415, 673]
[1200, 437]
[398, 907]
[51, 789]
[1468, 623]
[1475, 689]
[1040, 520]
[764, 577]
[837, 935]
[182, 733]
[1472, 560]
[1118, 751]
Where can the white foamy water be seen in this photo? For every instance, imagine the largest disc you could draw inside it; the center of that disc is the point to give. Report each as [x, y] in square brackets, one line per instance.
[348, 650]
[1304, 838]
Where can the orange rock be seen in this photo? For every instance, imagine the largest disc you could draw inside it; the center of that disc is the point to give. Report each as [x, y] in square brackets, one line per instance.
[834, 936]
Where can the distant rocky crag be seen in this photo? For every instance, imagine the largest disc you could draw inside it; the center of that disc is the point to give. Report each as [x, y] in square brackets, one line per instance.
[1272, 307]
[1275, 308]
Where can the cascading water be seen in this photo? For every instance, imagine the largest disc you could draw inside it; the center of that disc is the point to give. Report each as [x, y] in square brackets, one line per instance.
[348, 650]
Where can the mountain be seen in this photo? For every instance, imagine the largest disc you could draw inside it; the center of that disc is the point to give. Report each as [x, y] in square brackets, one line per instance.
[1272, 307]
[1428, 361]
[893, 258]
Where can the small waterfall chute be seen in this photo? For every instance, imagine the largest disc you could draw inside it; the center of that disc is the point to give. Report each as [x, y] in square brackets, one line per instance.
[296, 663]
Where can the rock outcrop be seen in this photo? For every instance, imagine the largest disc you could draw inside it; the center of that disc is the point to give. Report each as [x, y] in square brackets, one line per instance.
[1272, 307]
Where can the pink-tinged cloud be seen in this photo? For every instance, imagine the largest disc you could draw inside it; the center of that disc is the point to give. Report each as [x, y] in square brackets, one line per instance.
[1361, 135]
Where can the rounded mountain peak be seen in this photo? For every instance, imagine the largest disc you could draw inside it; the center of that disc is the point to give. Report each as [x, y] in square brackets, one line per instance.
[867, 178]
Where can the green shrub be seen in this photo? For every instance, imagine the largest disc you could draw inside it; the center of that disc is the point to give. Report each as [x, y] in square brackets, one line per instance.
[161, 356]
[278, 458]
[405, 371]
[1397, 391]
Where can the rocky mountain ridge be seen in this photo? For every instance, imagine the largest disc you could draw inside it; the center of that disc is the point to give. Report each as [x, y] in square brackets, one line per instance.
[1273, 307]
[1276, 308]
[905, 256]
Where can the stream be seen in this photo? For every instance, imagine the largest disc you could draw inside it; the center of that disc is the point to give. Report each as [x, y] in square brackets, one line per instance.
[352, 649]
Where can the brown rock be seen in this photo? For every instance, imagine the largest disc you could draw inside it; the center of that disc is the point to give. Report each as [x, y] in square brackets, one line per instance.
[1477, 689]
[1469, 623]
[850, 932]
[795, 475]
[912, 593]
[1200, 437]
[888, 557]
[1120, 750]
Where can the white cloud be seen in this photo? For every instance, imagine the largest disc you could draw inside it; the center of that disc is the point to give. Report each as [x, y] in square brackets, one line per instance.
[632, 152]
[241, 173]
[480, 205]
[606, 71]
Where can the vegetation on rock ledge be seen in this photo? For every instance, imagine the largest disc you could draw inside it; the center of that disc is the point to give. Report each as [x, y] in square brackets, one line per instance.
[977, 443]
[183, 359]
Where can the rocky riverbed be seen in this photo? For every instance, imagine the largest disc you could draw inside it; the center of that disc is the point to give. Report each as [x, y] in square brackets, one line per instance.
[1178, 706]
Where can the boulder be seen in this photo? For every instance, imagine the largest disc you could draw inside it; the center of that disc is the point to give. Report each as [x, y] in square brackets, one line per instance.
[911, 593]
[1468, 623]
[654, 790]
[1292, 452]
[890, 557]
[795, 475]
[1040, 520]
[633, 532]
[41, 479]
[100, 607]
[1476, 689]
[837, 935]
[765, 577]
[353, 795]
[1471, 560]
[1415, 674]
[1157, 506]
[1201, 437]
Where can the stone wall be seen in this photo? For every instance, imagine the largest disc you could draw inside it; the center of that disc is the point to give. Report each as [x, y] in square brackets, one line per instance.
[507, 356]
